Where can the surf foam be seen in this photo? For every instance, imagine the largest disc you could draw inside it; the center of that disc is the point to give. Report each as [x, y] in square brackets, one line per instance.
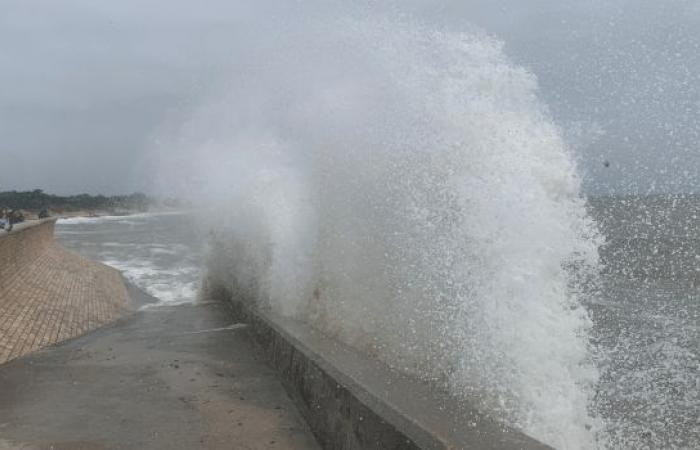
[401, 188]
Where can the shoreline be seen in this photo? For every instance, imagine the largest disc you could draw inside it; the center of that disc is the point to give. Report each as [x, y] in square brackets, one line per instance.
[116, 214]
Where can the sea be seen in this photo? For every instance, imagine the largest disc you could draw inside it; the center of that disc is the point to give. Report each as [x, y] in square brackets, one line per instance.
[646, 318]
[159, 253]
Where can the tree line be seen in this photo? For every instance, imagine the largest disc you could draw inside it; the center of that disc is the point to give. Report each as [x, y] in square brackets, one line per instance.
[38, 200]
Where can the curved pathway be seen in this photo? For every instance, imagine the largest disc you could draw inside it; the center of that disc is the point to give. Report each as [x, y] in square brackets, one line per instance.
[184, 377]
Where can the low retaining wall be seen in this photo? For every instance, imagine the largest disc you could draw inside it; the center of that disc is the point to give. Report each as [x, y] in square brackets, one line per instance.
[354, 402]
[49, 294]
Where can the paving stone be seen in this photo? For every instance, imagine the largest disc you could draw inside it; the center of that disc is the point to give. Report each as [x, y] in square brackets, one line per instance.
[57, 296]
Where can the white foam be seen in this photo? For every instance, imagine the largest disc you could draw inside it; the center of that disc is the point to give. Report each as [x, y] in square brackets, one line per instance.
[402, 188]
[170, 285]
[98, 219]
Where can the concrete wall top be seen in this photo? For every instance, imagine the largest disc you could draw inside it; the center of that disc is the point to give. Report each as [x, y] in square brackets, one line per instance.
[352, 401]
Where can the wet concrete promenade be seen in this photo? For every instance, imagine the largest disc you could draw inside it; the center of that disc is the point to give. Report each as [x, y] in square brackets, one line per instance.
[182, 377]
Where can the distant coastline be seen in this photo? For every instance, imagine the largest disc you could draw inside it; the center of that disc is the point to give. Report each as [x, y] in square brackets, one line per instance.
[37, 203]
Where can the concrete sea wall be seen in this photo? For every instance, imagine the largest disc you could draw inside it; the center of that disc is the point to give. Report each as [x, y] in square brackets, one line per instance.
[354, 402]
[49, 294]
[23, 245]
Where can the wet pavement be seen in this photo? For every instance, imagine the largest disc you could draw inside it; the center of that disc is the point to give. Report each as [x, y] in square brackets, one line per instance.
[180, 377]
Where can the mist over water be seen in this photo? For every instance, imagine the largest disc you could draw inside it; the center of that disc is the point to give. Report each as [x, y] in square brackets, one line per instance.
[402, 189]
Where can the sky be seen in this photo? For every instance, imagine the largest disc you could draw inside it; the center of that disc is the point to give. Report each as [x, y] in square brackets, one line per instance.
[87, 86]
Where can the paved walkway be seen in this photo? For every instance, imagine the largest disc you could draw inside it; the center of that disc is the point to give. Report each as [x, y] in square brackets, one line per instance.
[164, 378]
[58, 296]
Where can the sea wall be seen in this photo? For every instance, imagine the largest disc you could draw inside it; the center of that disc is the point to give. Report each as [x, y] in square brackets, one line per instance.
[23, 245]
[49, 294]
[354, 402]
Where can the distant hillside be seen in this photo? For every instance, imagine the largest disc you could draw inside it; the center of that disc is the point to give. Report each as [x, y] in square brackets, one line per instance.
[37, 200]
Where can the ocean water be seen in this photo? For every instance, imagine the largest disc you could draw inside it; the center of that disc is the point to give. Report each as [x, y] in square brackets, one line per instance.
[160, 253]
[647, 321]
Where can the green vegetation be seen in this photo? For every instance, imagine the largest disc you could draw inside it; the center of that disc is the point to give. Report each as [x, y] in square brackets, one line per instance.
[37, 200]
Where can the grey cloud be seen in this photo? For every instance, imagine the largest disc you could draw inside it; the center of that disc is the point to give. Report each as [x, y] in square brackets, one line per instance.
[85, 85]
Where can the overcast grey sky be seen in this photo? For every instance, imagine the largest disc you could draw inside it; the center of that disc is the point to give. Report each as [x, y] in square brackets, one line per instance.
[86, 85]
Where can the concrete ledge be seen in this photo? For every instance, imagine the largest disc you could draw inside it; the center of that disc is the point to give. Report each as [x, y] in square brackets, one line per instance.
[354, 402]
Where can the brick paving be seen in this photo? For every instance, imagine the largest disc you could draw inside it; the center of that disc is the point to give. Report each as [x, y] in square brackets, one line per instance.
[57, 296]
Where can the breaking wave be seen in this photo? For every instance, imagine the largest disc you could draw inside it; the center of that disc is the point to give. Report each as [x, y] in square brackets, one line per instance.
[402, 188]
